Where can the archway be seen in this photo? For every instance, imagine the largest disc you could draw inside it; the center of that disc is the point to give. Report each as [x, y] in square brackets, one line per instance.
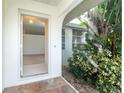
[68, 32]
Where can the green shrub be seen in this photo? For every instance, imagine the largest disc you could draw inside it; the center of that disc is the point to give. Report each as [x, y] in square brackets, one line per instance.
[81, 67]
[106, 77]
[109, 72]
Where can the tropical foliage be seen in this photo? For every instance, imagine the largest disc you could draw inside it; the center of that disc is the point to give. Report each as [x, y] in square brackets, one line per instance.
[108, 73]
[99, 61]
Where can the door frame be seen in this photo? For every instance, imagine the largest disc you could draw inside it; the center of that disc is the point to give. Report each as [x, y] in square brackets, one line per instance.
[39, 15]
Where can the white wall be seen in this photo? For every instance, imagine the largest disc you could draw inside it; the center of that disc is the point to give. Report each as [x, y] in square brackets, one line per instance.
[67, 52]
[33, 44]
[81, 8]
[12, 39]
[1, 62]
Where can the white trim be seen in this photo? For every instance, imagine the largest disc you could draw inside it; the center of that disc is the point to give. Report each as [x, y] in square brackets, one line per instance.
[40, 15]
[70, 84]
[33, 13]
[1, 53]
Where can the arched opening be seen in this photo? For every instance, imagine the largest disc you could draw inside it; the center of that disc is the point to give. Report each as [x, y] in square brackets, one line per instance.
[84, 35]
[72, 30]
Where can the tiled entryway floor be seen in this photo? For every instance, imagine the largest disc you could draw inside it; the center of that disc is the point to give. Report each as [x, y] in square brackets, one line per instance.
[56, 85]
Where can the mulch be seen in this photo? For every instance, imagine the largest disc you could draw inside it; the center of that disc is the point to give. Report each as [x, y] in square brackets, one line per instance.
[80, 85]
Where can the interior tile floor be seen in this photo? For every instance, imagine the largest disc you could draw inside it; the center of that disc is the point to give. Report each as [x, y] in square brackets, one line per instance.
[35, 69]
[56, 85]
[33, 59]
[34, 64]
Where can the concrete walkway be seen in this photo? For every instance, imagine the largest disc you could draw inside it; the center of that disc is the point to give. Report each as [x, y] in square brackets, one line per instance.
[56, 85]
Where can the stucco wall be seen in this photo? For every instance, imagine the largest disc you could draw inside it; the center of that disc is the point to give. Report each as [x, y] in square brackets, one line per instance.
[12, 41]
[1, 59]
[67, 52]
[11, 38]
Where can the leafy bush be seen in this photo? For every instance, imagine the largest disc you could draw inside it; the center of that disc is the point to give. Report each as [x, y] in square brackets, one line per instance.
[106, 77]
[80, 67]
[109, 72]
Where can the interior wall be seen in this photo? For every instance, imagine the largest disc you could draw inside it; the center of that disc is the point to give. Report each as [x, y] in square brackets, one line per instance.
[33, 44]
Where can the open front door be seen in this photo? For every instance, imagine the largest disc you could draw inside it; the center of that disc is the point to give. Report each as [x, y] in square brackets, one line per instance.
[34, 45]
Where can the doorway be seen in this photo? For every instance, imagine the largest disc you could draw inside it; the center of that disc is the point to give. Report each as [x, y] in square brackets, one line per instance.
[34, 42]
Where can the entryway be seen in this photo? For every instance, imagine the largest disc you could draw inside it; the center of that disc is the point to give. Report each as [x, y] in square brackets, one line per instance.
[34, 43]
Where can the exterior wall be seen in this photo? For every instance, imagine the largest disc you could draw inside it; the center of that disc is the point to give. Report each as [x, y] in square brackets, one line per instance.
[11, 38]
[1, 53]
[67, 52]
[12, 41]
[81, 8]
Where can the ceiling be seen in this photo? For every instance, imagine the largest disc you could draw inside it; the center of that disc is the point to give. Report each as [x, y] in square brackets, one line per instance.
[50, 2]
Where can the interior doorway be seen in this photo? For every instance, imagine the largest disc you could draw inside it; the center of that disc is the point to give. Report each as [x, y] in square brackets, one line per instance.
[34, 42]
